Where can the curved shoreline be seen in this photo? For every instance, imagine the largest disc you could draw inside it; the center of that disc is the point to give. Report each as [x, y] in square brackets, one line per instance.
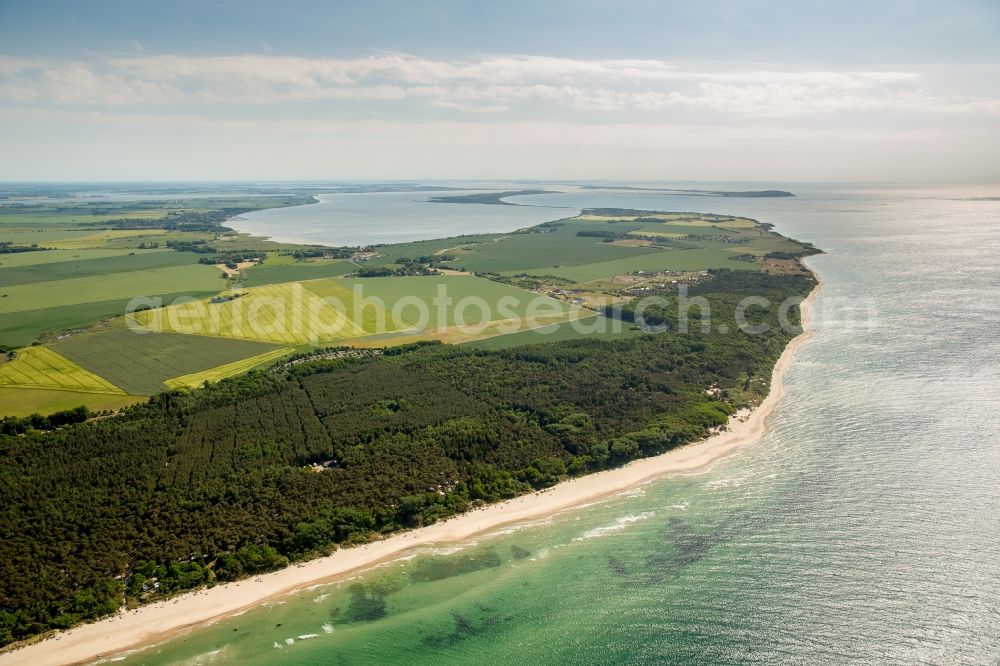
[161, 621]
[280, 233]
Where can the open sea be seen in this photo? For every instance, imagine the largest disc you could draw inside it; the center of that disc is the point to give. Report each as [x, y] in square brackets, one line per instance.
[863, 528]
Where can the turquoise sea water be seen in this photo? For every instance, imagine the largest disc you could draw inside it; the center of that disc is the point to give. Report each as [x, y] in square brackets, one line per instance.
[863, 528]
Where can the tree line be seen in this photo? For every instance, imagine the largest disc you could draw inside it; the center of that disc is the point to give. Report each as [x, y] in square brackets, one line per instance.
[250, 473]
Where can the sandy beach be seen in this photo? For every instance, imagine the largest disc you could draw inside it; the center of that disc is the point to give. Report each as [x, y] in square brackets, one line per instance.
[160, 621]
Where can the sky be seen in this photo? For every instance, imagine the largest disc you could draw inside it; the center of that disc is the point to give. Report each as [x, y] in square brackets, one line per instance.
[884, 91]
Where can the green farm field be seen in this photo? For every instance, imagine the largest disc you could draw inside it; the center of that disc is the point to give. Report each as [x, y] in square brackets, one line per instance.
[78, 214]
[73, 215]
[22, 401]
[90, 268]
[22, 259]
[43, 237]
[288, 304]
[663, 260]
[22, 328]
[40, 367]
[96, 288]
[142, 364]
[273, 272]
[123, 261]
[594, 327]
[681, 242]
[429, 247]
[465, 291]
[109, 238]
[290, 313]
[196, 379]
[559, 247]
[300, 313]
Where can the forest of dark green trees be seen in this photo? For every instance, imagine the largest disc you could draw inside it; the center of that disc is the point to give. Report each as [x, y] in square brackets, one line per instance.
[245, 475]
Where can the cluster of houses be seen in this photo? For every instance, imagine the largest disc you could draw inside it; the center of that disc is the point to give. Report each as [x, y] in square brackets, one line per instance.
[648, 288]
[717, 238]
[563, 294]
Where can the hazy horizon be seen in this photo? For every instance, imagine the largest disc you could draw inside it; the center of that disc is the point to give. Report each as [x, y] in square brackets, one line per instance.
[897, 92]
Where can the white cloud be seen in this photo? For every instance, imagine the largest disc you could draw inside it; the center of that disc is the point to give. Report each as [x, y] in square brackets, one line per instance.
[493, 84]
[471, 108]
[118, 144]
[398, 116]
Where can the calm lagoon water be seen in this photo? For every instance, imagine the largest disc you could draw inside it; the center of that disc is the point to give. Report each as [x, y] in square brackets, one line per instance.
[863, 528]
[371, 218]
